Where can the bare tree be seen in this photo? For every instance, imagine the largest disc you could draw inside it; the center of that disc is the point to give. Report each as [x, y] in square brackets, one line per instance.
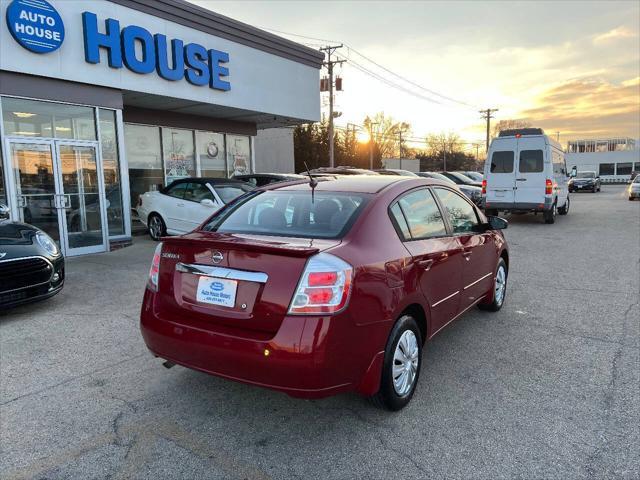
[385, 131]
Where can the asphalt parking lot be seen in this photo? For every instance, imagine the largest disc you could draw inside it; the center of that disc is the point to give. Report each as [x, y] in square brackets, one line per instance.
[549, 387]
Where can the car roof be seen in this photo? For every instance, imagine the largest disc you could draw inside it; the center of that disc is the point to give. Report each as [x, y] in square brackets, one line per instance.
[355, 183]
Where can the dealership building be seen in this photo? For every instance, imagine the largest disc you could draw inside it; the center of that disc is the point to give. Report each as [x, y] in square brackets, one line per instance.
[102, 100]
[613, 159]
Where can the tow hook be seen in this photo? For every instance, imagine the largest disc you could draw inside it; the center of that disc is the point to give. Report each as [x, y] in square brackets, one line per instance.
[167, 364]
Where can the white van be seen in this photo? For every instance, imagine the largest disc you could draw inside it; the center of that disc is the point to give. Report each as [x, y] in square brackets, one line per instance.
[525, 171]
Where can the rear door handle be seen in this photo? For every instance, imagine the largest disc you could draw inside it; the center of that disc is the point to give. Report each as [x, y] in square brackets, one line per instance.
[521, 179]
[426, 264]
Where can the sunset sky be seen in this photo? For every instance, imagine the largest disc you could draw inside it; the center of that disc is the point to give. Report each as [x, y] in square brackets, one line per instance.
[572, 67]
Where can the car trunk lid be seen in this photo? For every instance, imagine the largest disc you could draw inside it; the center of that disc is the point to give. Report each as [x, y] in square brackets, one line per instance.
[216, 281]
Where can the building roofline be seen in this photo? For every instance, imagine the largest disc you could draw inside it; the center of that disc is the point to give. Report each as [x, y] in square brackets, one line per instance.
[199, 18]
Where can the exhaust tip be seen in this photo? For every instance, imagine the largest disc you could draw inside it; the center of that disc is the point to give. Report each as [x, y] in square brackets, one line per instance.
[167, 364]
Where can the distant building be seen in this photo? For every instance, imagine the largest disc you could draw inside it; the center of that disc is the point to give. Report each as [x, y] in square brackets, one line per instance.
[613, 159]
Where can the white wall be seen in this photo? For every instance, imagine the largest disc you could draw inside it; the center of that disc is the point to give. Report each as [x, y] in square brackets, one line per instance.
[274, 151]
[260, 81]
[591, 161]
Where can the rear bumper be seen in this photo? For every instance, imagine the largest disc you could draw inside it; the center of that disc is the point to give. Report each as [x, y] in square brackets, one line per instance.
[633, 194]
[309, 357]
[520, 206]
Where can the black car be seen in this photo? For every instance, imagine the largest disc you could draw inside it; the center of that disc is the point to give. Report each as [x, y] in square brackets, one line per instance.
[262, 179]
[589, 181]
[31, 265]
[474, 193]
[460, 179]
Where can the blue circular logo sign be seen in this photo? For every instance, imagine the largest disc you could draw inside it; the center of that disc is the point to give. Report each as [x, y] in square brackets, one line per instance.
[35, 25]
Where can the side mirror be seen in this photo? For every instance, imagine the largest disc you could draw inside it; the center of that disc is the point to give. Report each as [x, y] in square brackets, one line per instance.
[497, 223]
[4, 211]
[206, 202]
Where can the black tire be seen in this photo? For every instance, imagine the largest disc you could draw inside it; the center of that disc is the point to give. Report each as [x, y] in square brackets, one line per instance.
[563, 210]
[494, 304]
[550, 215]
[157, 227]
[491, 212]
[387, 397]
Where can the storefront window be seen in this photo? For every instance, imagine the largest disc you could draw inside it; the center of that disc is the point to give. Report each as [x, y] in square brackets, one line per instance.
[607, 169]
[623, 168]
[142, 145]
[179, 154]
[211, 157]
[111, 171]
[31, 118]
[238, 155]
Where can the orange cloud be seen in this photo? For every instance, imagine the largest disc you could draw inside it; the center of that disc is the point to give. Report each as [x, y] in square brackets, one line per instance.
[588, 108]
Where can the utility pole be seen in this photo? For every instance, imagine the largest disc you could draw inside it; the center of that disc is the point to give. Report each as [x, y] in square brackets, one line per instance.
[330, 64]
[477, 148]
[400, 146]
[558, 137]
[371, 124]
[488, 115]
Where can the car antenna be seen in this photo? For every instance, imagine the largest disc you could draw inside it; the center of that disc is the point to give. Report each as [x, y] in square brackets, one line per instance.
[313, 183]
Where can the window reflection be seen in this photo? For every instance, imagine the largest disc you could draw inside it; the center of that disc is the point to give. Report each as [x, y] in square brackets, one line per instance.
[31, 118]
[111, 171]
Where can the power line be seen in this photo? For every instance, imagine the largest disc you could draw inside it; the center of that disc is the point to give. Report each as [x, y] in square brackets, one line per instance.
[379, 77]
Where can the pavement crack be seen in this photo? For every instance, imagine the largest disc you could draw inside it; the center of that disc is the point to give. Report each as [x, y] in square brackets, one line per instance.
[69, 380]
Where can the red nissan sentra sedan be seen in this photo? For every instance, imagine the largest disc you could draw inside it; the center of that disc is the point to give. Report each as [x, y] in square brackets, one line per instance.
[319, 289]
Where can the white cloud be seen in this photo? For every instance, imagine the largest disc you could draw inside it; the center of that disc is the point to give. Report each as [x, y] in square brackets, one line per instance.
[617, 33]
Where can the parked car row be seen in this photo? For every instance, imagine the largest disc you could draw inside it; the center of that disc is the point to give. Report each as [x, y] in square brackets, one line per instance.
[184, 204]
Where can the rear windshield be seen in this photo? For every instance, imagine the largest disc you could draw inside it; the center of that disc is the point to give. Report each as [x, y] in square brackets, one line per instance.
[290, 214]
[230, 192]
[586, 175]
[502, 162]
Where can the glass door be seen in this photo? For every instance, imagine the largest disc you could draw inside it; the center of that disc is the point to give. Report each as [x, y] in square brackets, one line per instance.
[37, 199]
[82, 201]
[59, 189]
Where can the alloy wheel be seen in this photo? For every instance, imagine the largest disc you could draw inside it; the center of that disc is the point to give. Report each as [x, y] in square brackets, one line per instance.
[500, 285]
[155, 227]
[405, 363]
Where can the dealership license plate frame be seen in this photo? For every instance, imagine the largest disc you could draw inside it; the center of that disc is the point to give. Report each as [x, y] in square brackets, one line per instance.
[215, 290]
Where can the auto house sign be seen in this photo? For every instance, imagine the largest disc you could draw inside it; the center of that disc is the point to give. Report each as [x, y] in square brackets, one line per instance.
[36, 25]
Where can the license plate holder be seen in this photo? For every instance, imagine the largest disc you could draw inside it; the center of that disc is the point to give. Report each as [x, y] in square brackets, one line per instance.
[217, 291]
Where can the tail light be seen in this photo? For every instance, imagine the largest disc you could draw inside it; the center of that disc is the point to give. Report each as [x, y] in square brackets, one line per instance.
[152, 283]
[548, 189]
[484, 187]
[324, 286]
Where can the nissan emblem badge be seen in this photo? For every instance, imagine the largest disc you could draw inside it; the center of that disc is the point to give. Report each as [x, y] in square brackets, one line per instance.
[217, 257]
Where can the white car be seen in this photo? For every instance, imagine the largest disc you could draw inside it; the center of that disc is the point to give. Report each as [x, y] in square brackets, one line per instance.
[634, 188]
[184, 204]
[525, 171]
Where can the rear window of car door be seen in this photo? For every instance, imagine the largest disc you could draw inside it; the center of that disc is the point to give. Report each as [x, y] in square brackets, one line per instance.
[502, 162]
[177, 191]
[462, 215]
[423, 217]
[197, 192]
[531, 161]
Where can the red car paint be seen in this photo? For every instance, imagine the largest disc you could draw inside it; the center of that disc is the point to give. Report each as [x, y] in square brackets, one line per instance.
[312, 356]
